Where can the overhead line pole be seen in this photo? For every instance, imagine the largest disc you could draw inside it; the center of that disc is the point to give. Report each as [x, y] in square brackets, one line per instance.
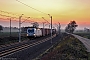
[59, 28]
[20, 28]
[10, 27]
[43, 29]
[51, 29]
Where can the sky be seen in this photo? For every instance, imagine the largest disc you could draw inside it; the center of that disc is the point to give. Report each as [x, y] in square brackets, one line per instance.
[62, 11]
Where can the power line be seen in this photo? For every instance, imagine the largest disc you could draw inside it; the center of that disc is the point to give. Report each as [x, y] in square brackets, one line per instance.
[16, 17]
[45, 20]
[14, 14]
[9, 13]
[11, 17]
[8, 16]
[31, 7]
[6, 19]
[38, 19]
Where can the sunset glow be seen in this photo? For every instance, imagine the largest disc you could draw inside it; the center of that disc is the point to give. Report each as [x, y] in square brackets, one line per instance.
[62, 11]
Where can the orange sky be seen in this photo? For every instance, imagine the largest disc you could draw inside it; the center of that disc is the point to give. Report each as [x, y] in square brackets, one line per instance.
[62, 11]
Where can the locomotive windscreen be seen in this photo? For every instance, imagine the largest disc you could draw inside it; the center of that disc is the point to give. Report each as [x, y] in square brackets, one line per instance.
[30, 30]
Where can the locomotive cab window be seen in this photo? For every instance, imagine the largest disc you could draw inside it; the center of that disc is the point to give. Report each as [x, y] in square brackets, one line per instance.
[30, 30]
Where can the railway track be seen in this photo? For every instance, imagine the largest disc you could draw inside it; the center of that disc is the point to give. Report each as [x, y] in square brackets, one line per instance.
[23, 46]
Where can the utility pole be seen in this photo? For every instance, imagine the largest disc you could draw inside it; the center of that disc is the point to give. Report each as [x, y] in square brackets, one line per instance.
[10, 27]
[20, 28]
[51, 29]
[43, 29]
[59, 28]
[49, 26]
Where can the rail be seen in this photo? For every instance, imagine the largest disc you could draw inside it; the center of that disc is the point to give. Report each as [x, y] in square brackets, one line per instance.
[10, 51]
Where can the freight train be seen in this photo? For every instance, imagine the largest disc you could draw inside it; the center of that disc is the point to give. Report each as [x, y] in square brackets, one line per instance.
[38, 32]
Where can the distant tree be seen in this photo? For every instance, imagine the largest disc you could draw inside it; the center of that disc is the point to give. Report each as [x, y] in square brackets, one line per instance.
[1, 28]
[71, 27]
[35, 24]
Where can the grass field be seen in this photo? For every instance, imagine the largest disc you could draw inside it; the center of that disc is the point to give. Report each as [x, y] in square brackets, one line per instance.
[69, 48]
[85, 35]
[14, 34]
[88, 56]
[5, 37]
[5, 34]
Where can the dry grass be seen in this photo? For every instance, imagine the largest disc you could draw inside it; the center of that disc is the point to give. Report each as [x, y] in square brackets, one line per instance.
[69, 48]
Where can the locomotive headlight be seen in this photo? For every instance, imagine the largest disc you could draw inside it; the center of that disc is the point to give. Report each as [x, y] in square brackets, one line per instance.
[27, 34]
[34, 34]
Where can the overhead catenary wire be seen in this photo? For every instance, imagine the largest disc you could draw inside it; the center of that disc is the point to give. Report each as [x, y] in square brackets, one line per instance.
[6, 19]
[19, 15]
[31, 7]
[2, 12]
[8, 16]
[45, 20]
[9, 13]
[25, 5]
